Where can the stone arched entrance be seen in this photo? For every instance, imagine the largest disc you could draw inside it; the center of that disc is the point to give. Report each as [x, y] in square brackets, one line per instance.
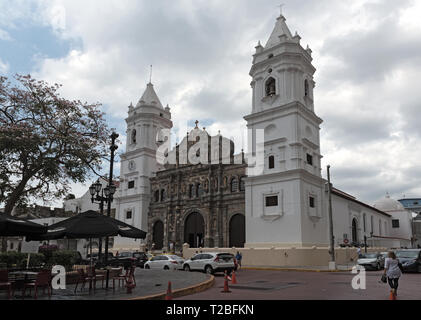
[158, 235]
[237, 231]
[194, 230]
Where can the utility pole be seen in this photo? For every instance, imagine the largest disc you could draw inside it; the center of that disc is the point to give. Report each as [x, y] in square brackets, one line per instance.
[332, 237]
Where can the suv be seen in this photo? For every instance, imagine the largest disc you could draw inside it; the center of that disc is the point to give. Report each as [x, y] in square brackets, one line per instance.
[127, 258]
[211, 262]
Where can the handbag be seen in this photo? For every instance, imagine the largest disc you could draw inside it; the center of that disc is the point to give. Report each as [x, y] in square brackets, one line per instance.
[384, 278]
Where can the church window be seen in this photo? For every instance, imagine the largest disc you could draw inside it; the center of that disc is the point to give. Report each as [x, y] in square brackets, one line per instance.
[270, 87]
[157, 196]
[372, 224]
[242, 184]
[312, 202]
[270, 56]
[272, 201]
[364, 222]
[134, 136]
[163, 195]
[199, 190]
[272, 162]
[395, 223]
[191, 191]
[309, 159]
[306, 88]
[234, 185]
[131, 185]
[128, 214]
[380, 227]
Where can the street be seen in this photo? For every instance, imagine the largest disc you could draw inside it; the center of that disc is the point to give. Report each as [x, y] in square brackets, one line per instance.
[291, 285]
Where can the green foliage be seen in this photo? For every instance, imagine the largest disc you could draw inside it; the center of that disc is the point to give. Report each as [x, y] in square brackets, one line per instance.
[46, 141]
[64, 258]
[19, 260]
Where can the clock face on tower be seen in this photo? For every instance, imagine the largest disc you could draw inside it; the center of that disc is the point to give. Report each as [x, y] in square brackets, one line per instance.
[132, 165]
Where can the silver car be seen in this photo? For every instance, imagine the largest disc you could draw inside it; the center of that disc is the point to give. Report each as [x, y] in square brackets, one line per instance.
[371, 261]
[165, 262]
[210, 262]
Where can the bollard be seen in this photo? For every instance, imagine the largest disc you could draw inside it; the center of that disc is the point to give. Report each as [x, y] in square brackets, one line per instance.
[234, 278]
[226, 288]
[169, 292]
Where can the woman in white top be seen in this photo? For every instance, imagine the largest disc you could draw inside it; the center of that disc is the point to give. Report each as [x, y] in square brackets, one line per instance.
[392, 271]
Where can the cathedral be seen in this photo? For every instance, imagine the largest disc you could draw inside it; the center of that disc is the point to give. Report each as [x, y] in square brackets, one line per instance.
[227, 200]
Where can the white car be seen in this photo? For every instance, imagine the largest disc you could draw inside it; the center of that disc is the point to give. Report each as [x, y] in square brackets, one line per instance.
[165, 262]
[211, 262]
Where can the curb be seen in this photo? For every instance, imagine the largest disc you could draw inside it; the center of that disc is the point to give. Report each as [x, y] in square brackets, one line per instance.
[180, 292]
[294, 269]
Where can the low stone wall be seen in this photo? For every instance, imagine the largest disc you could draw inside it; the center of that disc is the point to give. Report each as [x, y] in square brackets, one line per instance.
[286, 257]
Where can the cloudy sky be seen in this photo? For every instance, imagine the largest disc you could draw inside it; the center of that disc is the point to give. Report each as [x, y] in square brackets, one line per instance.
[367, 53]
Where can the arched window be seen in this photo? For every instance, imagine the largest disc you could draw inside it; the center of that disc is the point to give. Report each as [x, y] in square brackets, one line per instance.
[272, 162]
[156, 196]
[365, 222]
[234, 185]
[380, 227]
[163, 195]
[270, 87]
[306, 88]
[199, 190]
[372, 224]
[242, 184]
[191, 191]
[134, 136]
[354, 231]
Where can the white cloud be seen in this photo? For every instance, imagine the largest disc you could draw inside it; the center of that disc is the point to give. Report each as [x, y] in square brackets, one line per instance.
[4, 67]
[366, 53]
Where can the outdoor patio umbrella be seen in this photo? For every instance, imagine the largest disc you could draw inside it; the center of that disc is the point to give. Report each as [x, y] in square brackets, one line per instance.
[15, 227]
[89, 225]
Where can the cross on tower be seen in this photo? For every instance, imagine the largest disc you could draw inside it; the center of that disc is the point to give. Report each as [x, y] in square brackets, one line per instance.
[281, 6]
[197, 123]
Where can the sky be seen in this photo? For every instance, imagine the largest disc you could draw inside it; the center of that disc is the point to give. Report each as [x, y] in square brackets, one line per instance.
[367, 54]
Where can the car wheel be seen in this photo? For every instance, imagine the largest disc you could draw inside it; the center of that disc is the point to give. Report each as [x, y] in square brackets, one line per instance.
[147, 267]
[186, 267]
[419, 268]
[166, 268]
[209, 270]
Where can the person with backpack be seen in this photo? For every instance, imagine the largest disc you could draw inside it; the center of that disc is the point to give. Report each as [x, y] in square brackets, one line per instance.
[392, 270]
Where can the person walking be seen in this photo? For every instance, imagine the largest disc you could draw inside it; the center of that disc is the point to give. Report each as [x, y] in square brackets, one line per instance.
[393, 272]
[239, 257]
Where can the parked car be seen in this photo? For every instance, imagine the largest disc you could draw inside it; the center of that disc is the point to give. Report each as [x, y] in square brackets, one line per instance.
[95, 258]
[371, 260]
[211, 262]
[410, 259]
[128, 258]
[166, 262]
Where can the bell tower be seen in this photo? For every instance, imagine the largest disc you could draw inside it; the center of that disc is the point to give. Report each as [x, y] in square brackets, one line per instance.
[284, 203]
[139, 163]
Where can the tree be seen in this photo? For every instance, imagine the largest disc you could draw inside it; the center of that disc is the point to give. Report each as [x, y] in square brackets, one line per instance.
[46, 141]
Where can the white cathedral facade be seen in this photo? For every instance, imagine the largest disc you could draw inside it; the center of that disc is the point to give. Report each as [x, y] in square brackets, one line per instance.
[285, 205]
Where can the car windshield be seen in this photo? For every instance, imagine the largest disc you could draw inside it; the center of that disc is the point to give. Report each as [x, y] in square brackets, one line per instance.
[125, 254]
[369, 256]
[407, 254]
[176, 258]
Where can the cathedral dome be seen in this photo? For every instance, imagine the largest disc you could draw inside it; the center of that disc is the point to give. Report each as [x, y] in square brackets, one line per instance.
[388, 204]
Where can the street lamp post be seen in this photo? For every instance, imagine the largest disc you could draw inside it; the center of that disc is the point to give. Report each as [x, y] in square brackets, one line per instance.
[332, 237]
[95, 191]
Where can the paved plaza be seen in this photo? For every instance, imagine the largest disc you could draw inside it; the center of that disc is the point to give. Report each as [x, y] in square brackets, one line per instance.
[148, 282]
[293, 285]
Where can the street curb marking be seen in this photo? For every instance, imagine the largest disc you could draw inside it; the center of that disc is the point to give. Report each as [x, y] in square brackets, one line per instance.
[180, 292]
[293, 269]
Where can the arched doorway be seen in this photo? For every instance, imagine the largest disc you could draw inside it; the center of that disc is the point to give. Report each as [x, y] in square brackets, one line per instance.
[237, 231]
[194, 230]
[158, 235]
[354, 231]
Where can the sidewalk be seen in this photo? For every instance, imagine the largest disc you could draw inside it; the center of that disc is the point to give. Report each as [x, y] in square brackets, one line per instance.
[339, 268]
